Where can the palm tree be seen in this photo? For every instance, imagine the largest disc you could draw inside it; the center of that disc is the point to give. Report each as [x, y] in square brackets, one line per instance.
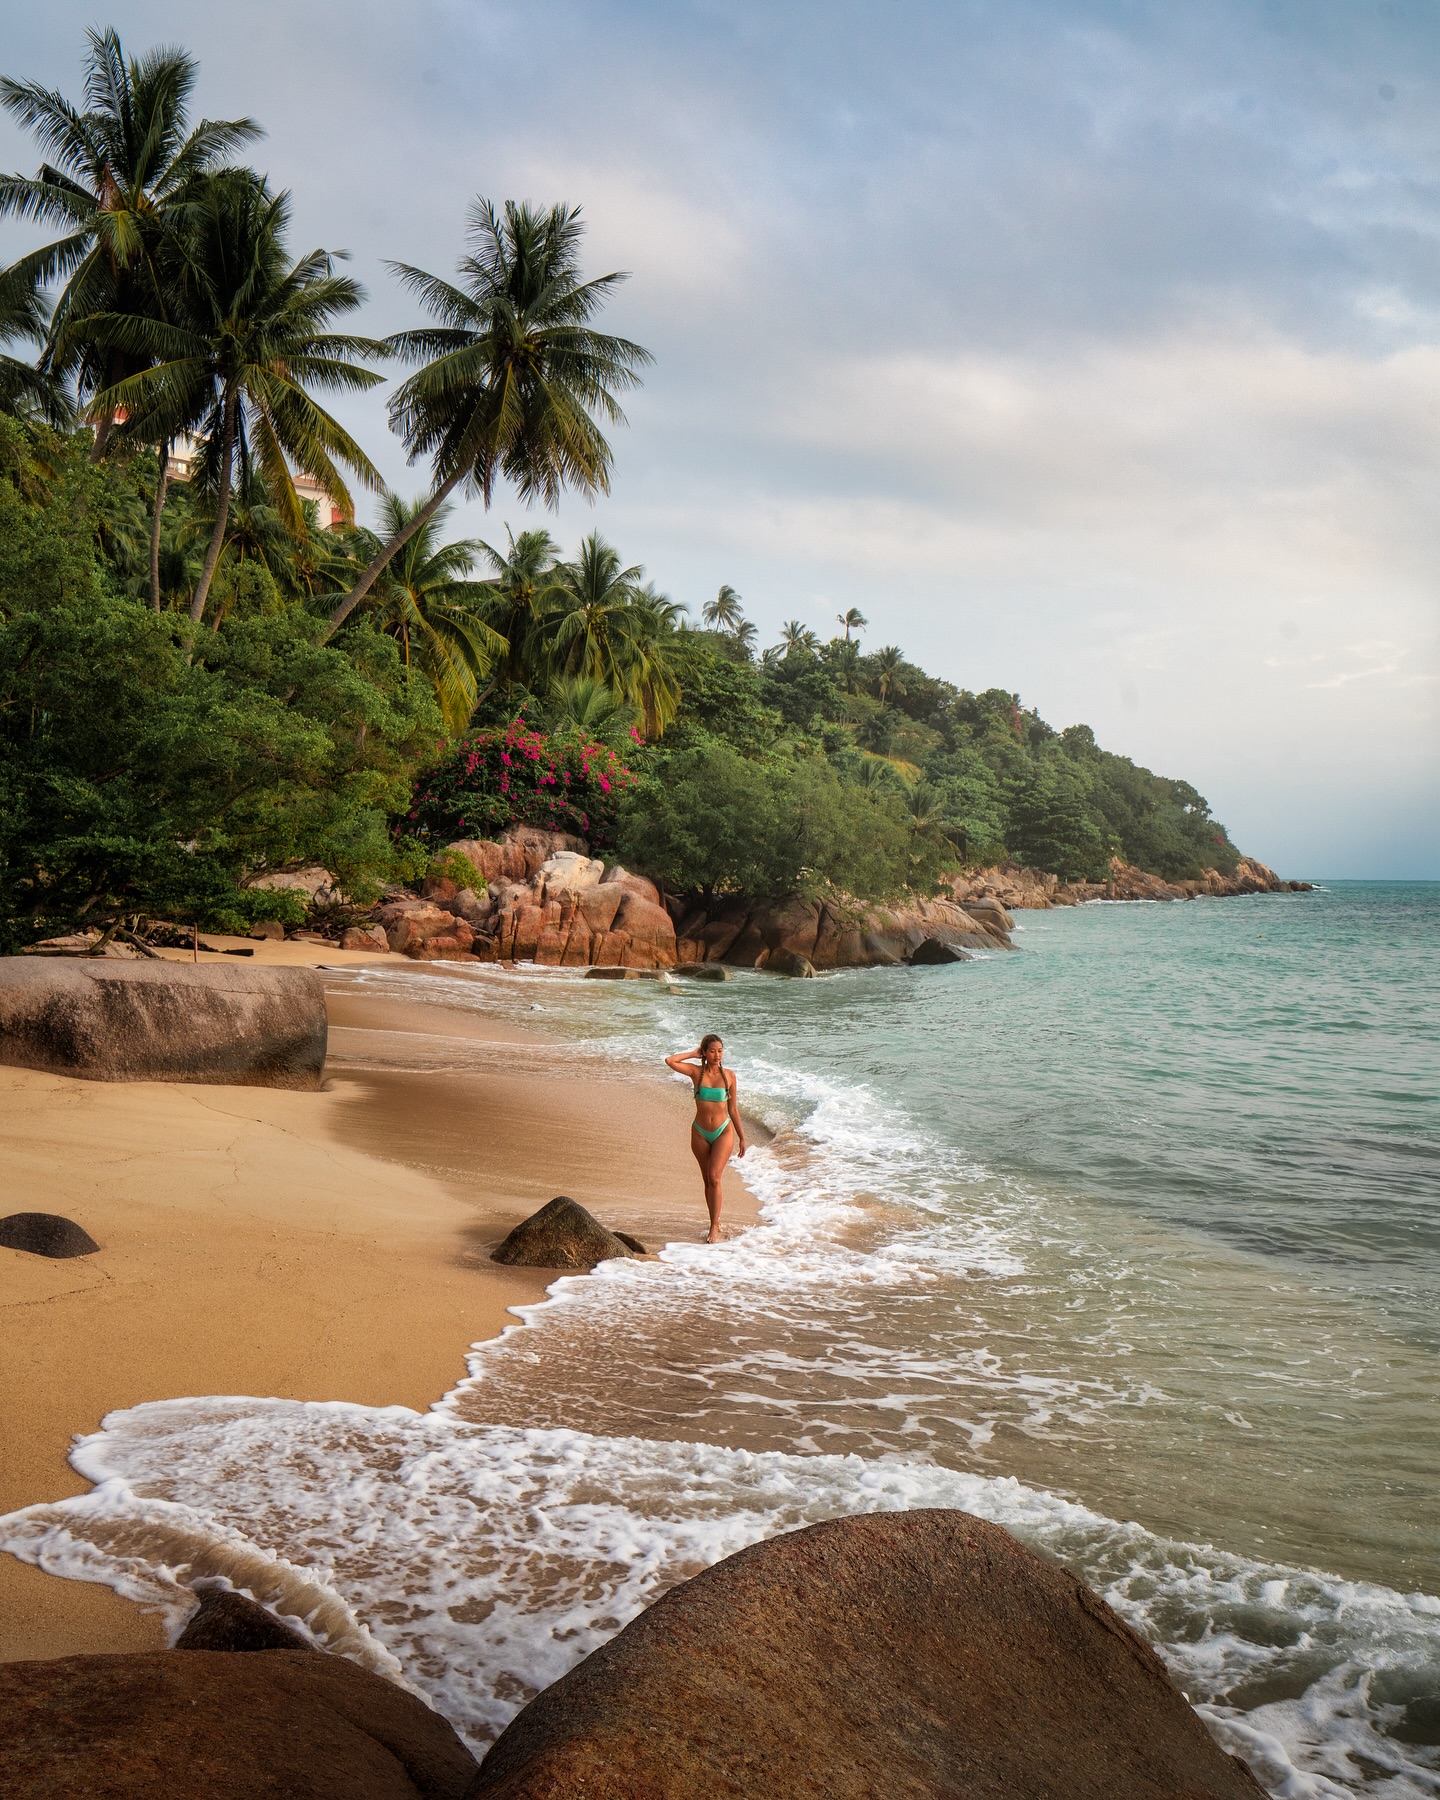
[889, 672]
[512, 372]
[586, 625]
[651, 683]
[588, 706]
[26, 391]
[797, 639]
[925, 809]
[245, 344]
[745, 634]
[113, 174]
[853, 620]
[881, 777]
[724, 611]
[424, 601]
[519, 583]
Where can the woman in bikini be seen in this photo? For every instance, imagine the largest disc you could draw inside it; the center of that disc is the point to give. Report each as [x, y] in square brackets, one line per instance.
[717, 1129]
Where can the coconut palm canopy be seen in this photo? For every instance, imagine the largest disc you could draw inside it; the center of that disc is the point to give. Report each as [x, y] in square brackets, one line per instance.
[245, 344]
[513, 373]
[114, 170]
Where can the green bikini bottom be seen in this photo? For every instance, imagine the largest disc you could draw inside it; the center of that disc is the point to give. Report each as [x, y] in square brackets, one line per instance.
[712, 1137]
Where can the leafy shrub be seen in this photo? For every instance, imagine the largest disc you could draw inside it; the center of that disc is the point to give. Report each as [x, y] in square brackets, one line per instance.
[514, 774]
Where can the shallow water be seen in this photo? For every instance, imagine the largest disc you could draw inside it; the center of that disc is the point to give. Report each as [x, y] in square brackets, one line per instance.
[1128, 1241]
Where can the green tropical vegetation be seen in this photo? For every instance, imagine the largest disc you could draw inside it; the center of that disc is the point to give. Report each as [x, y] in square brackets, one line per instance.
[201, 683]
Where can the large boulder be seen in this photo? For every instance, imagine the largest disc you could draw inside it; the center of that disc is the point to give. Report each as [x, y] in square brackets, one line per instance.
[204, 1725]
[615, 876]
[46, 1234]
[164, 1021]
[912, 1655]
[568, 872]
[562, 1235]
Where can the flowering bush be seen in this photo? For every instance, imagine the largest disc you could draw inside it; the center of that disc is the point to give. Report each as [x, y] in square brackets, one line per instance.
[517, 775]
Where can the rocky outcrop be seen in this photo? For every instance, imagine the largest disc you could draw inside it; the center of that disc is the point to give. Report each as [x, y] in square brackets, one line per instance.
[204, 1725]
[164, 1021]
[1014, 886]
[570, 911]
[836, 935]
[913, 1655]
[563, 1235]
[46, 1234]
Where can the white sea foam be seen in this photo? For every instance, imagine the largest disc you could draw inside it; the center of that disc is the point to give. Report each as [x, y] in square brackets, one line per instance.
[487, 1560]
[479, 1550]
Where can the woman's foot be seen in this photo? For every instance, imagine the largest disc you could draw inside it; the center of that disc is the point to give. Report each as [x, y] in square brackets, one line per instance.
[717, 1236]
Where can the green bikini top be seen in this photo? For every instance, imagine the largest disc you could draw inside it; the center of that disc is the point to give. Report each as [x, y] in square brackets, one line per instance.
[712, 1093]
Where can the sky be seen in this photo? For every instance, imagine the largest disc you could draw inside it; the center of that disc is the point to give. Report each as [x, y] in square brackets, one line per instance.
[1092, 351]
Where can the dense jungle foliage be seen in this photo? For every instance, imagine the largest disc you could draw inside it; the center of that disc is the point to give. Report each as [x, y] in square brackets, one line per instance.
[200, 685]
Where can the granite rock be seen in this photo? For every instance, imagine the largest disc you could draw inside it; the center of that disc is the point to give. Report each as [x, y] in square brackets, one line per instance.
[205, 1725]
[562, 1235]
[919, 1655]
[164, 1021]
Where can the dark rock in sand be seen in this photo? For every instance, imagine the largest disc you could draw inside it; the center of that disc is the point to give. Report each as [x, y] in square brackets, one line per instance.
[632, 1243]
[164, 1021]
[46, 1234]
[562, 1235]
[225, 1620]
[912, 1656]
[935, 950]
[207, 1726]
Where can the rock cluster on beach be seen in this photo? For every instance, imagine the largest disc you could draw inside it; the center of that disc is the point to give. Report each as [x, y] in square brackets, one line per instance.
[539, 896]
[919, 1655]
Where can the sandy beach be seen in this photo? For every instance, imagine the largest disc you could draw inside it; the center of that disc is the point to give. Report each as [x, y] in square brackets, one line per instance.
[329, 1246]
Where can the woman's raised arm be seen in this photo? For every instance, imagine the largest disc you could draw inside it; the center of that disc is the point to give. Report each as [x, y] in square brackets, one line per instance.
[682, 1062]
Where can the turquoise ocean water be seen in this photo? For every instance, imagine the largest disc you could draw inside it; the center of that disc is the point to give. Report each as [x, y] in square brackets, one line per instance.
[1129, 1240]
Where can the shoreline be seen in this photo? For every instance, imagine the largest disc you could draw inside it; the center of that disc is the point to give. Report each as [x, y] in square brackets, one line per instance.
[307, 1246]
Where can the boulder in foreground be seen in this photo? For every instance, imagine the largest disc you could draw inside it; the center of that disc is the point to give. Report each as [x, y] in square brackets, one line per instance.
[206, 1726]
[164, 1021]
[912, 1655]
[562, 1235]
[46, 1234]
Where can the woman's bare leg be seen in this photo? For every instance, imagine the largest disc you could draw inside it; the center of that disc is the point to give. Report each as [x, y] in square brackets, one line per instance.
[712, 1159]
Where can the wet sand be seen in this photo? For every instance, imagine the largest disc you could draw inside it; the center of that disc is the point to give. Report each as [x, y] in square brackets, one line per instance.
[330, 1246]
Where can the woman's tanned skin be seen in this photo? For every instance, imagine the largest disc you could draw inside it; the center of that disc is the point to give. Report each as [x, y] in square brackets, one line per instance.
[705, 1067]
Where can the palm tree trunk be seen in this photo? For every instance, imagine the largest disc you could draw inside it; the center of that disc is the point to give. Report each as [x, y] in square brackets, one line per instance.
[397, 543]
[161, 484]
[222, 511]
